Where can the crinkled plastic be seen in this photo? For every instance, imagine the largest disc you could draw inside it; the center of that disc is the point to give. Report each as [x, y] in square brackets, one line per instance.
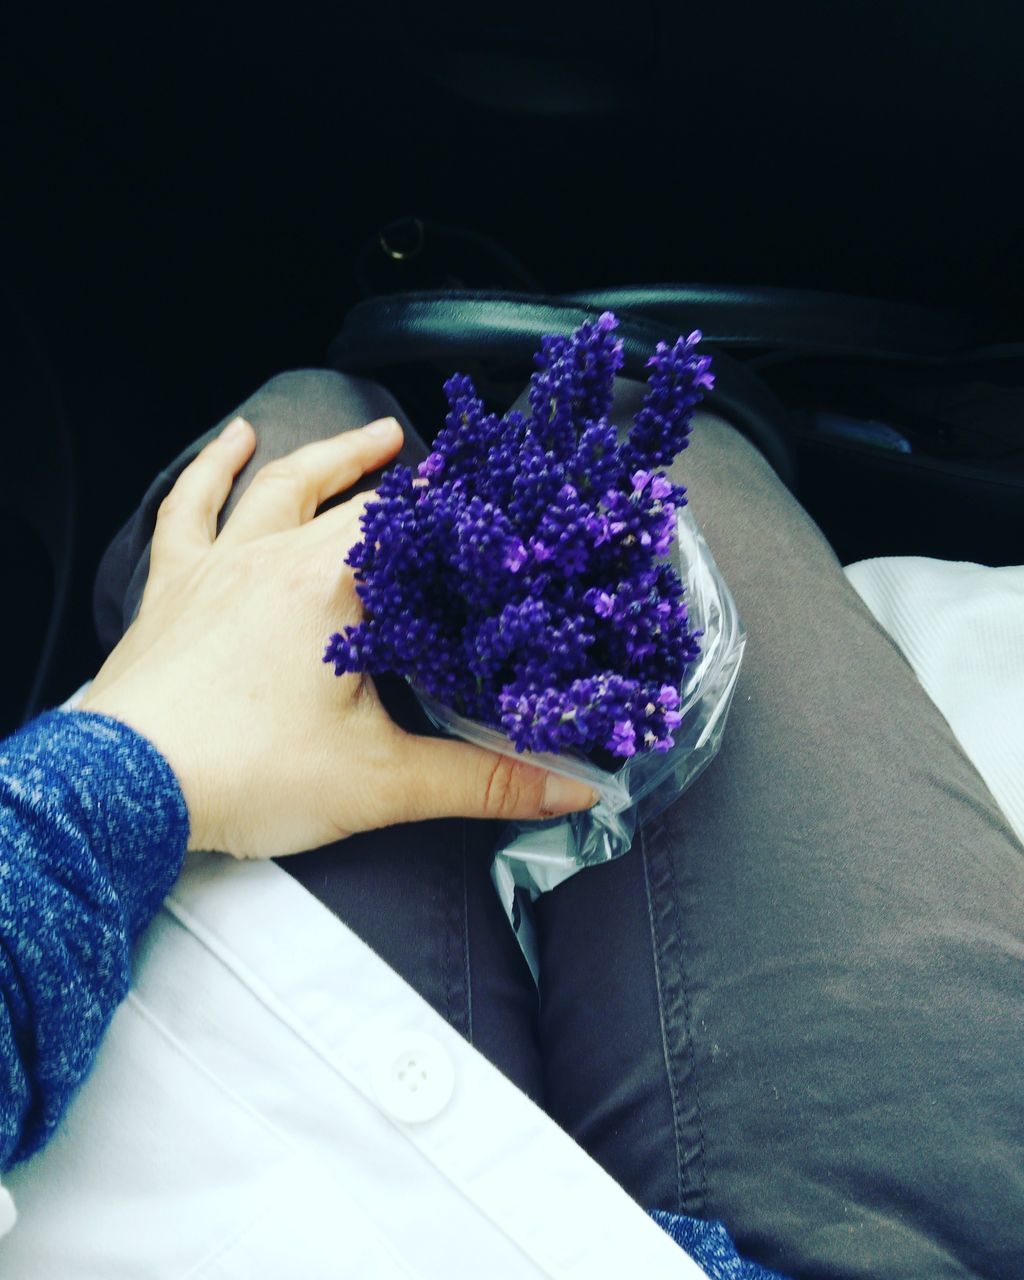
[534, 857]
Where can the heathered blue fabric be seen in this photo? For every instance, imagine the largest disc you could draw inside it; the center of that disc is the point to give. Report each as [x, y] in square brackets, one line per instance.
[709, 1245]
[93, 831]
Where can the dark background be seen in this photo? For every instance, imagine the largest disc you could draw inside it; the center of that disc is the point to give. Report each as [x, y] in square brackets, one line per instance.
[186, 194]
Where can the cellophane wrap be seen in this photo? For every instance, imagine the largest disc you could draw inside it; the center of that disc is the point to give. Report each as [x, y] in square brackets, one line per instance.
[533, 857]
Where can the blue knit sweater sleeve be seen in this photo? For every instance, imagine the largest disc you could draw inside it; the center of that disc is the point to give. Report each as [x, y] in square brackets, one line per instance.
[711, 1247]
[93, 831]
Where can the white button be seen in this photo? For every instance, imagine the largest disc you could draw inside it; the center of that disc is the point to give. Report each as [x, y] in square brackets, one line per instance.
[8, 1213]
[414, 1078]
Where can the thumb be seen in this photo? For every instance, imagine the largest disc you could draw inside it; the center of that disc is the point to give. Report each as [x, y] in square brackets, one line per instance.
[455, 779]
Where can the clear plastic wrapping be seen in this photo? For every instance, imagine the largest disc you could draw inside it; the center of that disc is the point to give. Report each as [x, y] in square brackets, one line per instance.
[534, 857]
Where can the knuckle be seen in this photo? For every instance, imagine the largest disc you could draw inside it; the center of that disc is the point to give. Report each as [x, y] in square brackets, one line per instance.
[170, 508]
[504, 788]
[282, 471]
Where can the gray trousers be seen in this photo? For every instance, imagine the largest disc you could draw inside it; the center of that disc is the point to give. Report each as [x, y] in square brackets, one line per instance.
[796, 1004]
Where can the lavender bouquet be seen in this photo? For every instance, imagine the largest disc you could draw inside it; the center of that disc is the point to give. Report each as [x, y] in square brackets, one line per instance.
[541, 585]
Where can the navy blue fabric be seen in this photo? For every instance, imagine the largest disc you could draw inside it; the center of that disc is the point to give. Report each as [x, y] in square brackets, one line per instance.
[93, 830]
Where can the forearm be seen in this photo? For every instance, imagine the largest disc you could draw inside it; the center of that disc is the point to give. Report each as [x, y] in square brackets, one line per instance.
[93, 829]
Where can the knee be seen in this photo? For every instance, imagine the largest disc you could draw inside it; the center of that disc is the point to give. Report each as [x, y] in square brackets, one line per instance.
[303, 405]
[301, 384]
[296, 393]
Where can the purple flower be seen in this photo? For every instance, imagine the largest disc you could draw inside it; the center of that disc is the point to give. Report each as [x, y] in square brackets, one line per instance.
[603, 603]
[572, 388]
[623, 739]
[516, 555]
[675, 387]
[519, 575]
[668, 697]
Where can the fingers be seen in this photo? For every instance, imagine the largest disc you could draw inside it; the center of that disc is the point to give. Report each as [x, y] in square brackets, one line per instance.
[454, 779]
[186, 523]
[286, 493]
[341, 522]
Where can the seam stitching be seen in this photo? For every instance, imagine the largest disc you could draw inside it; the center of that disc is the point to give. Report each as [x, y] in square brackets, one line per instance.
[695, 1075]
[673, 1088]
[465, 934]
[672, 987]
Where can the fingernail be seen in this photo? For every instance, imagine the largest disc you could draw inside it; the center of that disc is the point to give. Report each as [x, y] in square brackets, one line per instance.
[566, 795]
[235, 430]
[383, 428]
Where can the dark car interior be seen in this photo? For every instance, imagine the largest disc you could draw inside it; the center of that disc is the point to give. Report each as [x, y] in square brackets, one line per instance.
[196, 200]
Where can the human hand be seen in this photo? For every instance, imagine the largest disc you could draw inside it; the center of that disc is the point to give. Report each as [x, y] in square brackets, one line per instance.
[221, 668]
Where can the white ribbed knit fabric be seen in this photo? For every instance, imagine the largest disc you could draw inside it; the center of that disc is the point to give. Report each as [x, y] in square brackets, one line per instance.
[961, 627]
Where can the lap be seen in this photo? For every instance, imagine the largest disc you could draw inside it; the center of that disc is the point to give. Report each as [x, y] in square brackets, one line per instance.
[794, 1005]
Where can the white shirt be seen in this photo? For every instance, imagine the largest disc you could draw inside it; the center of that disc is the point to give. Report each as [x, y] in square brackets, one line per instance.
[272, 1100]
[961, 627]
